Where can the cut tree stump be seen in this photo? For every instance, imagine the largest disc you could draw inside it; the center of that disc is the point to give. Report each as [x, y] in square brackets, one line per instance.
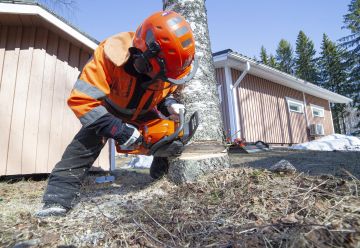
[191, 165]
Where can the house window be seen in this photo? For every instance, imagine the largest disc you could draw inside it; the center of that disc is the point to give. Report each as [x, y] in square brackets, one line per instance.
[295, 105]
[317, 111]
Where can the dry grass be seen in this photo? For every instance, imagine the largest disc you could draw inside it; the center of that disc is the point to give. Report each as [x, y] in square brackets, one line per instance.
[233, 208]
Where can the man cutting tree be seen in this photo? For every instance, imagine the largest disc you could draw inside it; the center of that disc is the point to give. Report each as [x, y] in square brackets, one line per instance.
[131, 76]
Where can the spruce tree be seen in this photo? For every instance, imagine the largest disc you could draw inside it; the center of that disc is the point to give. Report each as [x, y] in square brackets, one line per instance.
[284, 57]
[305, 61]
[352, 43]
[333, 76]
[264, 56]
[272, 62]
[267, 59]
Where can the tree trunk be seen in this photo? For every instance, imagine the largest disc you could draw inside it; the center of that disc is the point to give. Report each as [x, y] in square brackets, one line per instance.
[336, 118]
[200, 94]
[343, 121]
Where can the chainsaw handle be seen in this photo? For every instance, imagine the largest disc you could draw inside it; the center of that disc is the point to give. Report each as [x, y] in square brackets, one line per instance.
[166, 139]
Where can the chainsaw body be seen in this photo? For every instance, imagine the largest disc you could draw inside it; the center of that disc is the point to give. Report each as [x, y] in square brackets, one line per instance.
[163, 137]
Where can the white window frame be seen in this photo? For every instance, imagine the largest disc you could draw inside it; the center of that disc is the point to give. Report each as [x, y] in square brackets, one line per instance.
[291, 101]
[318, 108]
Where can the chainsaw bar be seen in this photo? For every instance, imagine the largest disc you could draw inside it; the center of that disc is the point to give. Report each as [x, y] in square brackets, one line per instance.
[190, 128]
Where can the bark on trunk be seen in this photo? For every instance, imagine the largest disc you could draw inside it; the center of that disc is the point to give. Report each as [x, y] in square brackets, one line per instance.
[200, 94]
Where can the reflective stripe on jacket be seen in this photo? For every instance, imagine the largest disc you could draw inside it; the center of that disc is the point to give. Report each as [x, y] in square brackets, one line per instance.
[103, 78]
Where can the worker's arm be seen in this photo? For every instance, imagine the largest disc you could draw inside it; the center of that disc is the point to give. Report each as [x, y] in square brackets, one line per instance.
[91, 88]
[86, 97]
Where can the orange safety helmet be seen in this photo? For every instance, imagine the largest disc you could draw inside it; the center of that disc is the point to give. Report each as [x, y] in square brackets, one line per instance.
[167, 47]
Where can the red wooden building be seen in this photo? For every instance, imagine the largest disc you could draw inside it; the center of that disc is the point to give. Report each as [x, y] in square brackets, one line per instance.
[259, 102]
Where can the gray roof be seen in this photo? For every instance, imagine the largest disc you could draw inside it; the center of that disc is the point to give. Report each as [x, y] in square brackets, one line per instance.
[47, 8]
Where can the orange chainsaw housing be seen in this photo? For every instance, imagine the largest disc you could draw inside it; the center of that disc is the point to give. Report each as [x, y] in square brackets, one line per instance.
[152, 132]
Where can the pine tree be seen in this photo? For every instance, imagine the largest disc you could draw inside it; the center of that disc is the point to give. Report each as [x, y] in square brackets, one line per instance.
[305, 61]
[333, 76]
[284, 57]
[263, 56]
[352, 43]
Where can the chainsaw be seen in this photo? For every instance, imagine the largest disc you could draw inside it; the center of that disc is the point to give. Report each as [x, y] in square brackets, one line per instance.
[164, 137]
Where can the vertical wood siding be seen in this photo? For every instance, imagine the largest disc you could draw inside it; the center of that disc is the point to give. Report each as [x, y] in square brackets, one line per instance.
[31, 129]
[326, 120]
[37, 72]
[220, 79]
[8, 79]
[19, 101]
[264, 114]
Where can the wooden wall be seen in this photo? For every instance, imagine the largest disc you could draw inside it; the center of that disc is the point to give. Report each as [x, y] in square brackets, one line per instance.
[263, 111]
[37, 71]
[220, 79]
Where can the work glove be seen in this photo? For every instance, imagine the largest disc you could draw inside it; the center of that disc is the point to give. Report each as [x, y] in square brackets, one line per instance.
[128, 137]
[174, 110]
[109, 126]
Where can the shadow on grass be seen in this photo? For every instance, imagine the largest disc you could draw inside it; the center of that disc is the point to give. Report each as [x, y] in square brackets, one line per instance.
[126, 181]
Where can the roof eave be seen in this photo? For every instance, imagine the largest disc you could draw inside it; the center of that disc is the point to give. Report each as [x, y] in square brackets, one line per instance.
[238, 62]
[30, 9]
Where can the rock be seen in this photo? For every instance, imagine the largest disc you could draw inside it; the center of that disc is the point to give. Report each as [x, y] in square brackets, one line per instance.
[283, 166]
[190, 166]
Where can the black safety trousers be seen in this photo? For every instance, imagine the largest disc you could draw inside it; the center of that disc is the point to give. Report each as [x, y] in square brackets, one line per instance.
[66, 178]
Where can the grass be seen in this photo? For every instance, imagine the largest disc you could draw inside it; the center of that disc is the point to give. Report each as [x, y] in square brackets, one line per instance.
[233, 208]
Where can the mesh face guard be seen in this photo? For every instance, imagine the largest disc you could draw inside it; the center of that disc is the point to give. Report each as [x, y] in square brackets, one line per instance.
[142, 59]
[142, 65]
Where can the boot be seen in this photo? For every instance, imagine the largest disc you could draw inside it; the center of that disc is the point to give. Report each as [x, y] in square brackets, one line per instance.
[159, 167]
[51, 209]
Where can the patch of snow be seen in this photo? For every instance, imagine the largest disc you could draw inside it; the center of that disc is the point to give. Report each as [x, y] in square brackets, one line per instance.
[334, 142]
[140, 162]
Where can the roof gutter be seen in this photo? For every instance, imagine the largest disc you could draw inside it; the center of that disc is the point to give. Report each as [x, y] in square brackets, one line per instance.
[236, 101]
[233, 101]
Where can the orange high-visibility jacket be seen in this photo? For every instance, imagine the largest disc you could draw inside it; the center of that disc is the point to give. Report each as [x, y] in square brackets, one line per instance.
[103, 81]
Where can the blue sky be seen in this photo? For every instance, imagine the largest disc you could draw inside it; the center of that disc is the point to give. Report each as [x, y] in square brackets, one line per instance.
[237, 24]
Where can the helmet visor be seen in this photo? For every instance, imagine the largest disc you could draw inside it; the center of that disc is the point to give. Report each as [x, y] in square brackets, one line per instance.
[161, 76]
[188, 77]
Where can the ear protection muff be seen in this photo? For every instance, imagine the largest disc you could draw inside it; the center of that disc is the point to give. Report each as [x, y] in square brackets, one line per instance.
[142, 64]
[142, 59]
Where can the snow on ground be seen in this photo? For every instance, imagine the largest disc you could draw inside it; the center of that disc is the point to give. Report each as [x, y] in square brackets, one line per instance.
[140, 162]
[334, 142]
